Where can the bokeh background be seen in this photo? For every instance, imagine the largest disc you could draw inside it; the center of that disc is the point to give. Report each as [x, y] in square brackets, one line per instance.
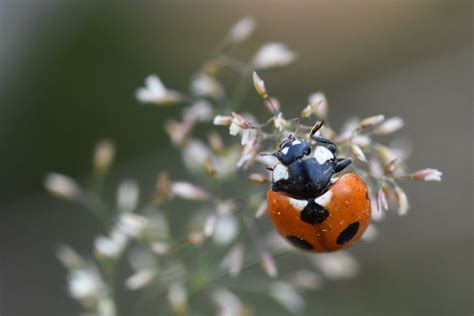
[68, 71]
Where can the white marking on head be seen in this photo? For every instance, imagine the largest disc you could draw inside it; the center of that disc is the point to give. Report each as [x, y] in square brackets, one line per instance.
[280, 172]
[322, 154]
[296, 142]
[324, 199]
[285, 150]
[299, 205]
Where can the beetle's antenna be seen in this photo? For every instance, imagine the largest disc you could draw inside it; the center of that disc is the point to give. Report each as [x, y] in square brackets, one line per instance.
[316, 127]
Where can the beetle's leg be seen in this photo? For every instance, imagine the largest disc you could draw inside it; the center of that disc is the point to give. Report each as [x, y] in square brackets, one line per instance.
[341, 164]
[331, 145]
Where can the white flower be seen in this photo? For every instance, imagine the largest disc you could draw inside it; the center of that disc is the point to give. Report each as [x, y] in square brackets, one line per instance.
[127, 195]
[268, 264]
[371, 121]
[85, 284]
[317, 104]
[402, 201]
[358, 152]
[155, 92]
[428, 174]
[206, 86]
[140, 279]
[389, 126]
[61, 186]
[241, 30]
[234, 129]
[199, 111]
[210, 224]
[338, 265]
[233, 260]
[69, 257]
[111, 246]
[225, 230]
[228, 303]
[285, 294]
[280, 122]
[186, 190]
[248, 136]
[306, 279]
[273, 55]
[196, 154]
[132, 225]
[370, 233]
[106, 307]
[381, 201]
[178, 298]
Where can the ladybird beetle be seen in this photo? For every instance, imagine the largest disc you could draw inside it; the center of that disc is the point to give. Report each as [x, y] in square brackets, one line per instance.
[307, 206]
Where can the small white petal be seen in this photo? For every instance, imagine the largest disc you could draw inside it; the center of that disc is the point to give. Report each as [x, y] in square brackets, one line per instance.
[132, 225]
[287, 296]
[188, 191]
[127, 195]
[241, 30]
[273, 55]
[234, 129]
[61, 186]
[178, 297]
[268, 264]
[233, 260]
[389, 126]
[85, 284]
[225, 230]
[140, 279]
[370, 233]
[229, 304]
[338, 265]
[111, 246]
[206, 86]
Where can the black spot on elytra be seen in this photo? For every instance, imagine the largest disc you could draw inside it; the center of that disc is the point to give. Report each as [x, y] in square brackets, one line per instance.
[348, 233]
[313, 213]
[299, 242]
[367, 195]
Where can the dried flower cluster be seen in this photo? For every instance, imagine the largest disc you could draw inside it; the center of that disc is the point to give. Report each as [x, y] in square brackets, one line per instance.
[225, 234]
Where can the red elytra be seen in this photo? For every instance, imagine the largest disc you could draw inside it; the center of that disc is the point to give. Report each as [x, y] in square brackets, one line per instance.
[349, 208]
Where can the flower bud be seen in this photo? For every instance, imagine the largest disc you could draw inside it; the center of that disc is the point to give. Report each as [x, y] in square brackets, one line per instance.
[389, 126]
[140, 279]
[103, 155]
[358, 152]
[258, 178]
[222, 120]
[402, 201]
[241, 30]
[186, 190]
[272, 104]
[427, 174]
[127, 195]
[381, 201]
[371, 121]
[178, 298]
[268, 264]
[206, 86]
[285, 294]
[61, 186]
[259, 85]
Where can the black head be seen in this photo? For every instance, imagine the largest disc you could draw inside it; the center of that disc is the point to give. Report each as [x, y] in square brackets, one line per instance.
[292, 149]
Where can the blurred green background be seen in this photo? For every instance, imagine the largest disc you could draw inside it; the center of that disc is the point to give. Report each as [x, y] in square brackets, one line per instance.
[68, 72]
